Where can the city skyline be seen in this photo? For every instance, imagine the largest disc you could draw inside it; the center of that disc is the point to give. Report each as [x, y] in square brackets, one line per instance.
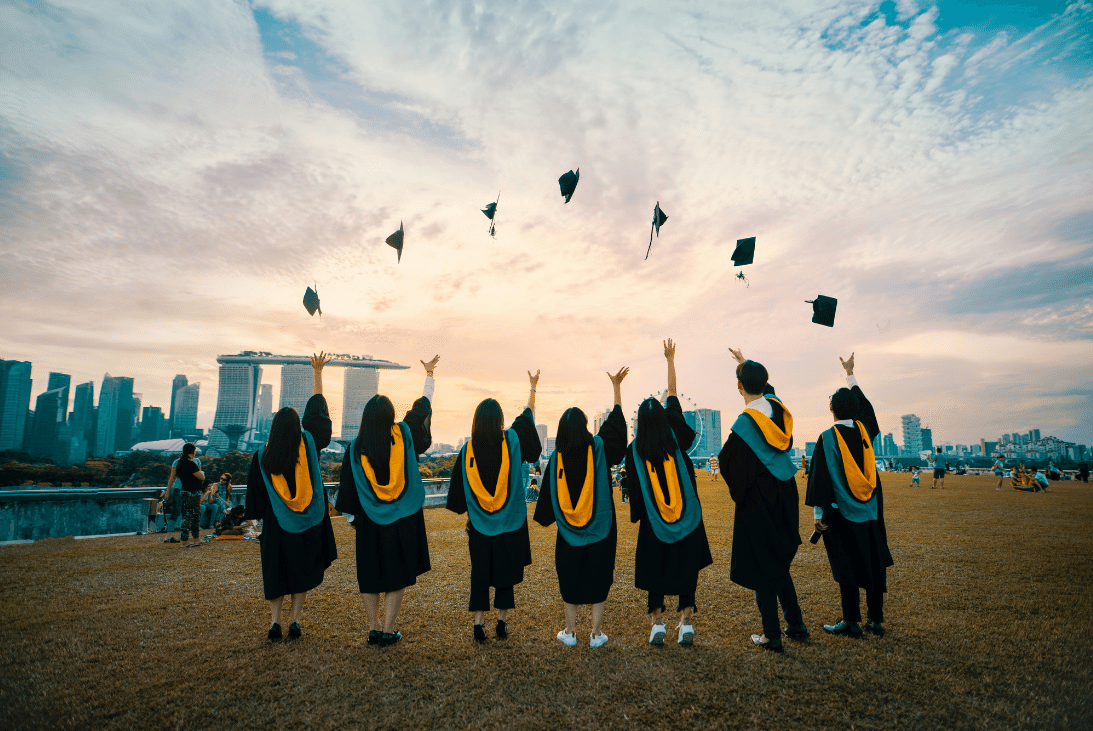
[169, 188]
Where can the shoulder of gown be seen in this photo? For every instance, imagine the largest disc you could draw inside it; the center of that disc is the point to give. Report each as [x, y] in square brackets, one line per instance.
[419, 419]
[457, 497]
[544, 509]
[613, 434]
[866, 415]
[524, 426]
[256, 491]
[819, 490]
[316, 420]
[634, 494]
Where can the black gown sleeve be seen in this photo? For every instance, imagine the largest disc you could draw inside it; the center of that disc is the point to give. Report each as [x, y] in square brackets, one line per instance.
[419, 419]
[457, 496]
[866, 415]
[732, 463]
[544, 508]
[348, 501]
[530, 446]
[257, 499]
[685, 435]
[613, 434]
[635, 496]
[316, 421]
[820, 491]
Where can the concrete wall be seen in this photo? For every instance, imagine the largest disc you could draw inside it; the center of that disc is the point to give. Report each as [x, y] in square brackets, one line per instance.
[55, 513]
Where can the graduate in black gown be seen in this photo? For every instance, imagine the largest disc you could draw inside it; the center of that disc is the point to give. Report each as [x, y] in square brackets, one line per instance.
[285, 491]
[672, 544]
[756, 466]
[487, 482]
[845, 493]
[576, 493]
[381, 491]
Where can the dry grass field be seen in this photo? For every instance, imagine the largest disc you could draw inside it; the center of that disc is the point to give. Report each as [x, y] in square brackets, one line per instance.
[984, 620]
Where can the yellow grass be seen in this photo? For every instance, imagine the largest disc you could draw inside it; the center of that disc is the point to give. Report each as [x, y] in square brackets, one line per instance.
[986, 617]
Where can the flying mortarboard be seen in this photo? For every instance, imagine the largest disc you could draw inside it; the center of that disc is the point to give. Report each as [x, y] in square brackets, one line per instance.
[568, 183]
[744, 252]
[311, 301]
[823, 310]
[491, 210]
[395, 240]
[658, 220]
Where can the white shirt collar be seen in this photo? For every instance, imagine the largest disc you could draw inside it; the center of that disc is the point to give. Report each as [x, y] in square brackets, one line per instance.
[762, 406]
[846, 422]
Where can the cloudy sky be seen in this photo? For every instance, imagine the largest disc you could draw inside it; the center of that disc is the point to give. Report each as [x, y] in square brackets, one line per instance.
[174, 174]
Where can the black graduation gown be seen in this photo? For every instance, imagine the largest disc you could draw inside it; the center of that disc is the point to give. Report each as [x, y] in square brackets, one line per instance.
[585, 573]
[389, 557]
[858, 552]
[497, 560]
[292, 563]
[765, 532]
[666, 568]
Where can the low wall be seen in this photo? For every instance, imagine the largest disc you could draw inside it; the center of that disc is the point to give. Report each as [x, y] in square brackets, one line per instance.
[31, 514]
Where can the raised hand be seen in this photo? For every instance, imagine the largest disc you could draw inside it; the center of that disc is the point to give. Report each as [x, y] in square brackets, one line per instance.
[738, 355]
[320, 360]
[669, 349]
[430, 365]
[534, 379]
[616, 379]
[848, 364]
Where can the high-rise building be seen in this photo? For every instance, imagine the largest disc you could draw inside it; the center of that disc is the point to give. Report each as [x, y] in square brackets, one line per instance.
[265, 408]
[82, 423]
[912, 434]
[236, 404]
[542, 429]
[890, 448]
[927, 439]
[179, 382]
[1034, 435]
[810, 447]
[359, 385]
[598, 420]
[42, 441]
[153, 424]
[15, 383]
[1005, 439]
[115, 415]
[297, 385]
[1016, 437]
[878, 446]
[708, 422]
[186, 401]
[60, 381]
[134, 428]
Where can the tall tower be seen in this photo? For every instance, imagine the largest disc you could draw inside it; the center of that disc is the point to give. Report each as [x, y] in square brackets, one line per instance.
[360, 385]
[15, 385]
[179, 382]
[60, 381]
[82, 423]
[185, 410]
[115, 420]
[297, 385]
[235, 402]
[43, 437]
[912, 434]
[265, 408]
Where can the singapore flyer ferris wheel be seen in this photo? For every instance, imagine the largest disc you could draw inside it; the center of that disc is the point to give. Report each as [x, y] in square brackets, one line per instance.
[687, 405]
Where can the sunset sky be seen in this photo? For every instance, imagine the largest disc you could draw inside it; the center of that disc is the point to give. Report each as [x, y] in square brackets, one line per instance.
[174, 174]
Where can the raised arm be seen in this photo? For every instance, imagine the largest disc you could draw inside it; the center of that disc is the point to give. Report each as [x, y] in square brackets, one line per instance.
[317, 363]
[616, 383]
[429, 383]
[670, 354]
[531, 394]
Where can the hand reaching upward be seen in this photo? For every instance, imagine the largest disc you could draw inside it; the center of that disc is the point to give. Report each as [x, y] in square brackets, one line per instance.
[320, 360]
[737, 355]
[848, 364]
[534, 379]
[430, 365]
[669, 349]
[616, 380]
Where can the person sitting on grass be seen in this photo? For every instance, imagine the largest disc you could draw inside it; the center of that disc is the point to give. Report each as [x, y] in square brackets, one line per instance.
[1038, 480]
[915, 471]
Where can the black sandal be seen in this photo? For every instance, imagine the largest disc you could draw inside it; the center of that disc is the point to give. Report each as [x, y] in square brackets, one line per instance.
[274, 632]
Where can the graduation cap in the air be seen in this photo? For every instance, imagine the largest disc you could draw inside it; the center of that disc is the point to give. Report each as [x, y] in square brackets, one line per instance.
[568, 183]
[823, 310]
[395, 240]
[311, 301]
[658, 220]
[491, 210]
[744, 252]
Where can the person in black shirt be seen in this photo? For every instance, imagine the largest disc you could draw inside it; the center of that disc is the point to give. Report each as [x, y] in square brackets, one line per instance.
[191, 477]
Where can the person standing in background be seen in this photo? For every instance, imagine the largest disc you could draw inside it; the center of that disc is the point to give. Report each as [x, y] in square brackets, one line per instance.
[190, 475]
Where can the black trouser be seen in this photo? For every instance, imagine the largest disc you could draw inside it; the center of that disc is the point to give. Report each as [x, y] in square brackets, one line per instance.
[767, 601]
[503, 598]
[190, 508]
[656, 601]
[874, 600]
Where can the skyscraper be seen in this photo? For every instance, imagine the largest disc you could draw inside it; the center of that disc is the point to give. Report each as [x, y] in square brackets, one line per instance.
[1034, 435]
[265, 408]
[82, 423]
[912, 434]
[153, 424]
[185, 411]
[297, 385]
[179, 382]
[42, 441]
[134, 428]
[235, 403]
[542, 429]
[15, 386]
[890, 448]
[360, 384]
[61, 381]
[115, 415]
[927, 439]
[708, 422]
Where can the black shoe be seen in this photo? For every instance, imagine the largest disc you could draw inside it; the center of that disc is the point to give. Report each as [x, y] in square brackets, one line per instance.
[502, 630]
[389, 638]
[294, 631]
[480, 633]
[766, 644]
[275, 632]
[875, 628]
[374, 637]
[172, 539]
[842, 627]
[797, 632]
[185, 537]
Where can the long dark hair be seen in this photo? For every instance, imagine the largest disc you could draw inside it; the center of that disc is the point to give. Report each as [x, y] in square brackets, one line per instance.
[573, 436]
[488, 425]
[282, 450]
[374, 437]
[654, 438]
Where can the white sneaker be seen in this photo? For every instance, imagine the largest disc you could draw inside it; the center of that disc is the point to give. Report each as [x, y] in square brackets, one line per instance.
[594, 641]
[568, 639]
[656, 635]
[686, 634]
